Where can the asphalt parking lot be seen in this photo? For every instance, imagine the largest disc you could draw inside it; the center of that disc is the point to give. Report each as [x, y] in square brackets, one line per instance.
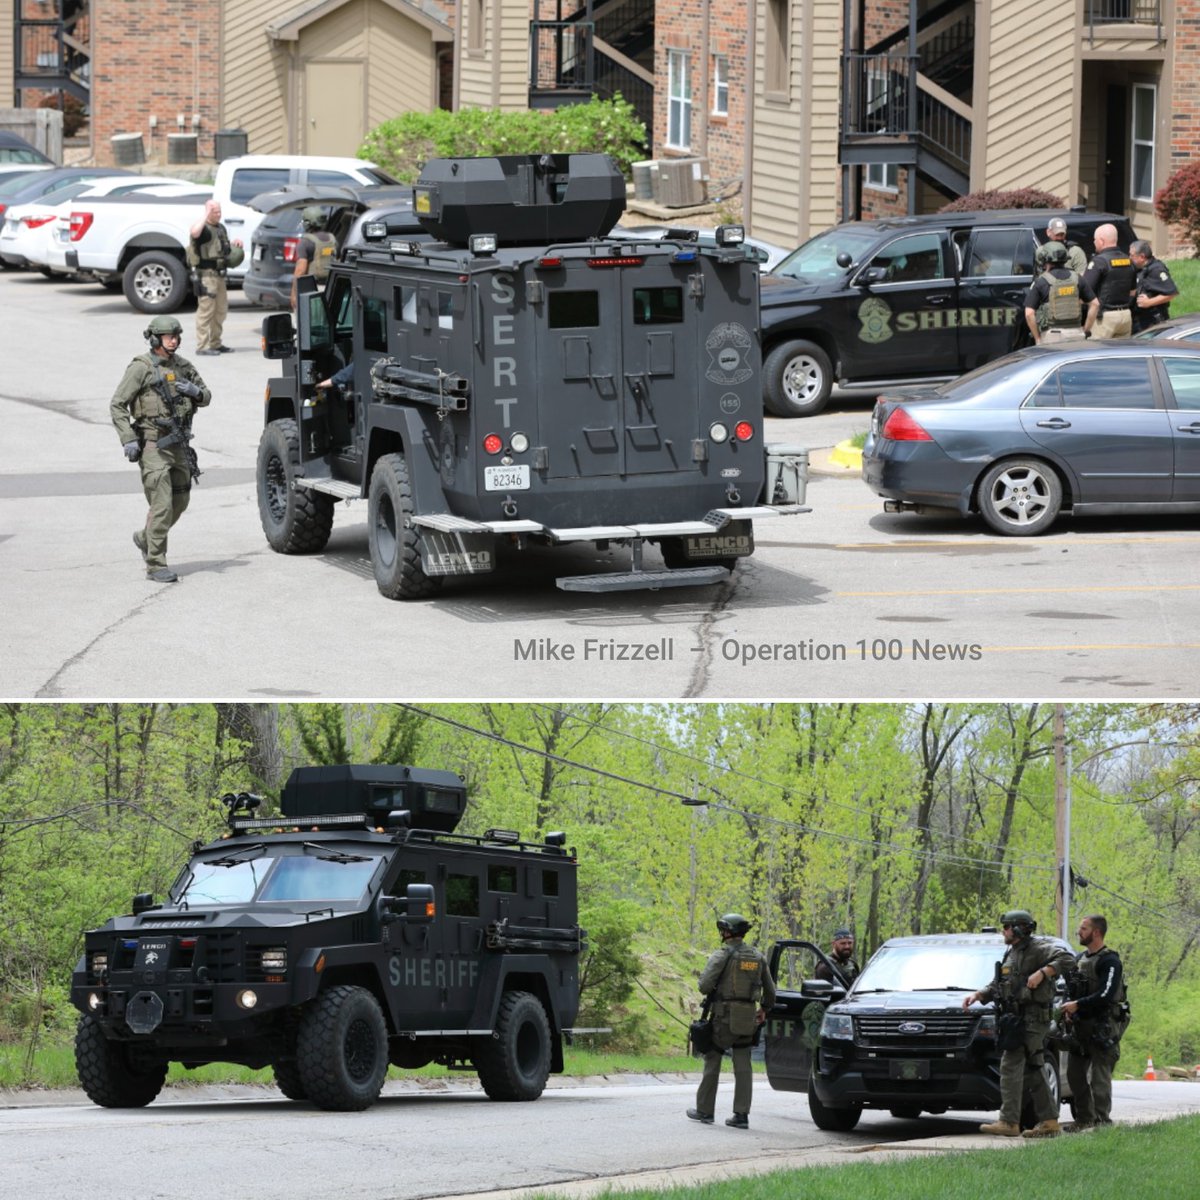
[842, 602]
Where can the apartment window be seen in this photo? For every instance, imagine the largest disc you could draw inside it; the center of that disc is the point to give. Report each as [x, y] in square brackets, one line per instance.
[1141, 184]
[475, 24]
[720, 104]
[885, 177]
[679, 100]
[778, 44]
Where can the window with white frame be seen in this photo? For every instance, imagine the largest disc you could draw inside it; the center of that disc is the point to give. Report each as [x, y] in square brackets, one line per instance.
[720, 95]
[679, 100]
[1141, 182]
[882, 176]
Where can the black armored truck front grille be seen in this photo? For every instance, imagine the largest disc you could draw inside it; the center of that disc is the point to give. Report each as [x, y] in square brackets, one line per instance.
[924, 1031]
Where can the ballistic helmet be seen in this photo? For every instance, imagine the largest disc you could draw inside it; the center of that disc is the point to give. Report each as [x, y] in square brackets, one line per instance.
[1053, 254]
[733, 924]
[313, 217]
[1021, 921]
[163, 325]
[237, 256]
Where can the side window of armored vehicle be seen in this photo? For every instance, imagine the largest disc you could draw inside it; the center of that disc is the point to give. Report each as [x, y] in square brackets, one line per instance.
[912, 259]
[462, 895]
[404, 301]
[573, 310]
[253, 181]
[445, 310]
[657, 306]
[502, 877]
[374, 324]
[796, 964]
[342, 310]
[549, 883]
[404, 877]
[1006, 252]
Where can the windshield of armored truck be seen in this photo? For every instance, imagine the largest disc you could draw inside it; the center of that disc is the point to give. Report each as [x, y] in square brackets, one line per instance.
[816, 260]
[266, 879]
[930, 968]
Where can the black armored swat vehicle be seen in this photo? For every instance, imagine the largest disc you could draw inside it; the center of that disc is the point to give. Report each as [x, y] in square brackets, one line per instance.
[354, 930]
[526, 380]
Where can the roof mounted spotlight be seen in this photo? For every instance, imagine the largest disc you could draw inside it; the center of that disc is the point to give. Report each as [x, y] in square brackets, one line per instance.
[730, 235]
[374, 231]
[240, 802]
[556, 839]
[483, 243]
[507, 836]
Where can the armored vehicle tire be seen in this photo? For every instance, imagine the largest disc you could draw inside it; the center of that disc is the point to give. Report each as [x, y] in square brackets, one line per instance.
[395, 554]
[342, 1050]
[797, 379]
[514, 1063]
[155, 281]
[295, 520]
[832, 1120]
[113, 1074]
[288, 1081]
[1020, 497]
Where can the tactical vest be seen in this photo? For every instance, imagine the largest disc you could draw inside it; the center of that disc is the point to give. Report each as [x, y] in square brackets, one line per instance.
[210, 251]
[1117, 281]
[324, 249]
[149, 402]
[1089, 973]
[742, 977]
[1111, 1022]
[1063, 302]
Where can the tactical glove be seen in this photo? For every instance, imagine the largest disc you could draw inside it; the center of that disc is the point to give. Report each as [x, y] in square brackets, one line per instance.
[185, 387]
[132, 451]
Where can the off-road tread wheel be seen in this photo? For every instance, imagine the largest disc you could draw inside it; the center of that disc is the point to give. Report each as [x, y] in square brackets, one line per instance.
[288, 1081]
[832, 1120]
[391, 535]
[514, 1063]
[105, 1073]
[1020, 497]
[797, 379]
[342, 1050]
[296, 520]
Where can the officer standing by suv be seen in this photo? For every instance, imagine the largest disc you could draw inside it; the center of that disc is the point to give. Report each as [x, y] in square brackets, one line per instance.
[1111, 276]
[316, 250]
[1053, 305]
[1056, 233]
[1023, 992]
[739, 980]
[1096, 1021]
[157, 396]
[1155, 287]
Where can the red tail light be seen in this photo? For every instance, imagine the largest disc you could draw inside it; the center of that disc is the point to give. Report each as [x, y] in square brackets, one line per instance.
[37, 222]
[900, 427]
[743, 431]
[81, 222]
[492, 444]
[290, 246]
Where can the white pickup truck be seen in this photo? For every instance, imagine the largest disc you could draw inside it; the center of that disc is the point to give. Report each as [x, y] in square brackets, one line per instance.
[142, 243]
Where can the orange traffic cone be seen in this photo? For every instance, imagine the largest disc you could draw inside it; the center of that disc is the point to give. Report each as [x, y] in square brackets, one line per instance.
[1150, 1070]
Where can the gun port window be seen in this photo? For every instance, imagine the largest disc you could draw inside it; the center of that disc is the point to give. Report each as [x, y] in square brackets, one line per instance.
[445, 301]
[462, 895]
[404, 301]
[502, 878]
[657, 306]
[549, 883]
[573, 310]
[374, 324]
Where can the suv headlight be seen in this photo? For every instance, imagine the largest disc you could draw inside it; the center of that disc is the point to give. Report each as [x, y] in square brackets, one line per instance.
[838, 1025]
[987, 1026]
[274, 961]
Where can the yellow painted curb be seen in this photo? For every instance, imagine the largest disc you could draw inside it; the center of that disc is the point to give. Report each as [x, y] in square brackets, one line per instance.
[845, 454]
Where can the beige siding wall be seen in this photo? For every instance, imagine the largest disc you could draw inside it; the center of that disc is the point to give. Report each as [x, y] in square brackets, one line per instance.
[793, 168]
[6, 54]
[1032, 97]
[254, 86]
[402, 67]
[498, 75]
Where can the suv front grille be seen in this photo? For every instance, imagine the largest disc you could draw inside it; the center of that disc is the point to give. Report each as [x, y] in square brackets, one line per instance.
[940, 1029]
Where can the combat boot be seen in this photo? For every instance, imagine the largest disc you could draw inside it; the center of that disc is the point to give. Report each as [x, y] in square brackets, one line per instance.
[1001, 1129]
[696, 1115]
[1044, 1129]
[1078, 1126]
[139, 540]
[738, 1121]
[162, 575]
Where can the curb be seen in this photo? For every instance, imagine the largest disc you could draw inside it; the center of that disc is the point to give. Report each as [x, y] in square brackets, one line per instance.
[843, 459]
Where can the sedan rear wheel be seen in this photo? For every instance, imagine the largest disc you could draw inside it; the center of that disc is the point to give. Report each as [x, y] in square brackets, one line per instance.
[1020, 497]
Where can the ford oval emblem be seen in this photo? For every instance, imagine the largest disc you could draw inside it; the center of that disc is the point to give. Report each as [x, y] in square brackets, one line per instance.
[910, 1027]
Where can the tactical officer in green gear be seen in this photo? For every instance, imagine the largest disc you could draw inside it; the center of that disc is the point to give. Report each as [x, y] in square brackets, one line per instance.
[152, 410]
[739, 981]
[1053, 304]
[317, 248]
[1096, 1021]
[1023, 993]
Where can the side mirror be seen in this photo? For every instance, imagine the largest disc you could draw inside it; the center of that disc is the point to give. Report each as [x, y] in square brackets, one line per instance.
[278, 336]
[143, 902]
[415, 907]
[872, 275]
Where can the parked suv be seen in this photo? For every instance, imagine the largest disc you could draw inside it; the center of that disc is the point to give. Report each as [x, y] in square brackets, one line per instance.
[903, 300]
[899, 1040]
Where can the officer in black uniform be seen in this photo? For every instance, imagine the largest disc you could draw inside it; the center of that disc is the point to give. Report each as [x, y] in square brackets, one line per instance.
[1111, 276]
[1054, 303]
[1155, 287]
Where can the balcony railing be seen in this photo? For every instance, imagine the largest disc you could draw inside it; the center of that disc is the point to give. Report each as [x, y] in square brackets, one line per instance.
[1123, 12]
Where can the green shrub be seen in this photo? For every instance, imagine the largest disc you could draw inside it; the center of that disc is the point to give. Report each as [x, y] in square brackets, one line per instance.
[610, 127]
[995, 199]
[1178, 202]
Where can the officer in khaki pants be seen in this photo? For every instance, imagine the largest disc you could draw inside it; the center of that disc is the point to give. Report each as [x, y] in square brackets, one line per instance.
[210, 254]
[739, 979]
[1111, 276]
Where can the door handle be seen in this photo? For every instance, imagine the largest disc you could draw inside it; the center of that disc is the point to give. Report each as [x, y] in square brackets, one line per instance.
[933, 301]
[1054, 423]
[1194, 427]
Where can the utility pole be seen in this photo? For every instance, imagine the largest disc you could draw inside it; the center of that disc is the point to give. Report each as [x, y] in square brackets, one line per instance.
[1062, 823]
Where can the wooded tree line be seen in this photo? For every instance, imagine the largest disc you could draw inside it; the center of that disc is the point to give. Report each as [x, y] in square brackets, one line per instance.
[894, 818]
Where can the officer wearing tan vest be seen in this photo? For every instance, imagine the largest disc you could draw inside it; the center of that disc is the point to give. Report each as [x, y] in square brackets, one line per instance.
[317, 249]
[739, 980]
[210, 254]
[1053, 304]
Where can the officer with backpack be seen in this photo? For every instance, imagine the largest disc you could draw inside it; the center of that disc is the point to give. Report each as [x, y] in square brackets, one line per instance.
[1054, 302]
[738, 980]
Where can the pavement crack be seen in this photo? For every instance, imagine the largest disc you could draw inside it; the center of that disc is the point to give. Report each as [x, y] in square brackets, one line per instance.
[698, 680]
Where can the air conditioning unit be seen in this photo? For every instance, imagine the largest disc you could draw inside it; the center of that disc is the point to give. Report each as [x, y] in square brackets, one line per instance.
[681, 182]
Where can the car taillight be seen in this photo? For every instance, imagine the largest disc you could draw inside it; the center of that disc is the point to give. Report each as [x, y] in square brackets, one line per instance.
[900, 427]
[38, 222]
[81, 222]
[290, 246]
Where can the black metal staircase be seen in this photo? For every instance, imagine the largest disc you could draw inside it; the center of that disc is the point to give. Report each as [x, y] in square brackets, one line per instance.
[52, 52]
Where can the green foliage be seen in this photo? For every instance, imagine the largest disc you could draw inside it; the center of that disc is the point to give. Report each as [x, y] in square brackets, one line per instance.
[401, 144]
[1186, 273]
[998, 198]
[1178, 202]
[610, 968]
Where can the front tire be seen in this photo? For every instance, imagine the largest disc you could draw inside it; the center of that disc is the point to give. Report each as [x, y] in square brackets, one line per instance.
[155, 282]
[342, 1050]
[296, 520]
[111, 1073]
[797, 379]
[1020, 497]
[288, 1081]
[832, 1120]
[514, 1063]
[392, 537]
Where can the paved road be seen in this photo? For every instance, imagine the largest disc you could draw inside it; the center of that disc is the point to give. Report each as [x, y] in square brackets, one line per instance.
[844, 602]
[437, 1141]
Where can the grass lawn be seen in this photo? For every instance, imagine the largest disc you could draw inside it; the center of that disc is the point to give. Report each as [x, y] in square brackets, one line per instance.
[1186, 273]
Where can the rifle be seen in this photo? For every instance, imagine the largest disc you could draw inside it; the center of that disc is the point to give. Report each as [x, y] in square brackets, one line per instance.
[177, 428]
[1010, 1023]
